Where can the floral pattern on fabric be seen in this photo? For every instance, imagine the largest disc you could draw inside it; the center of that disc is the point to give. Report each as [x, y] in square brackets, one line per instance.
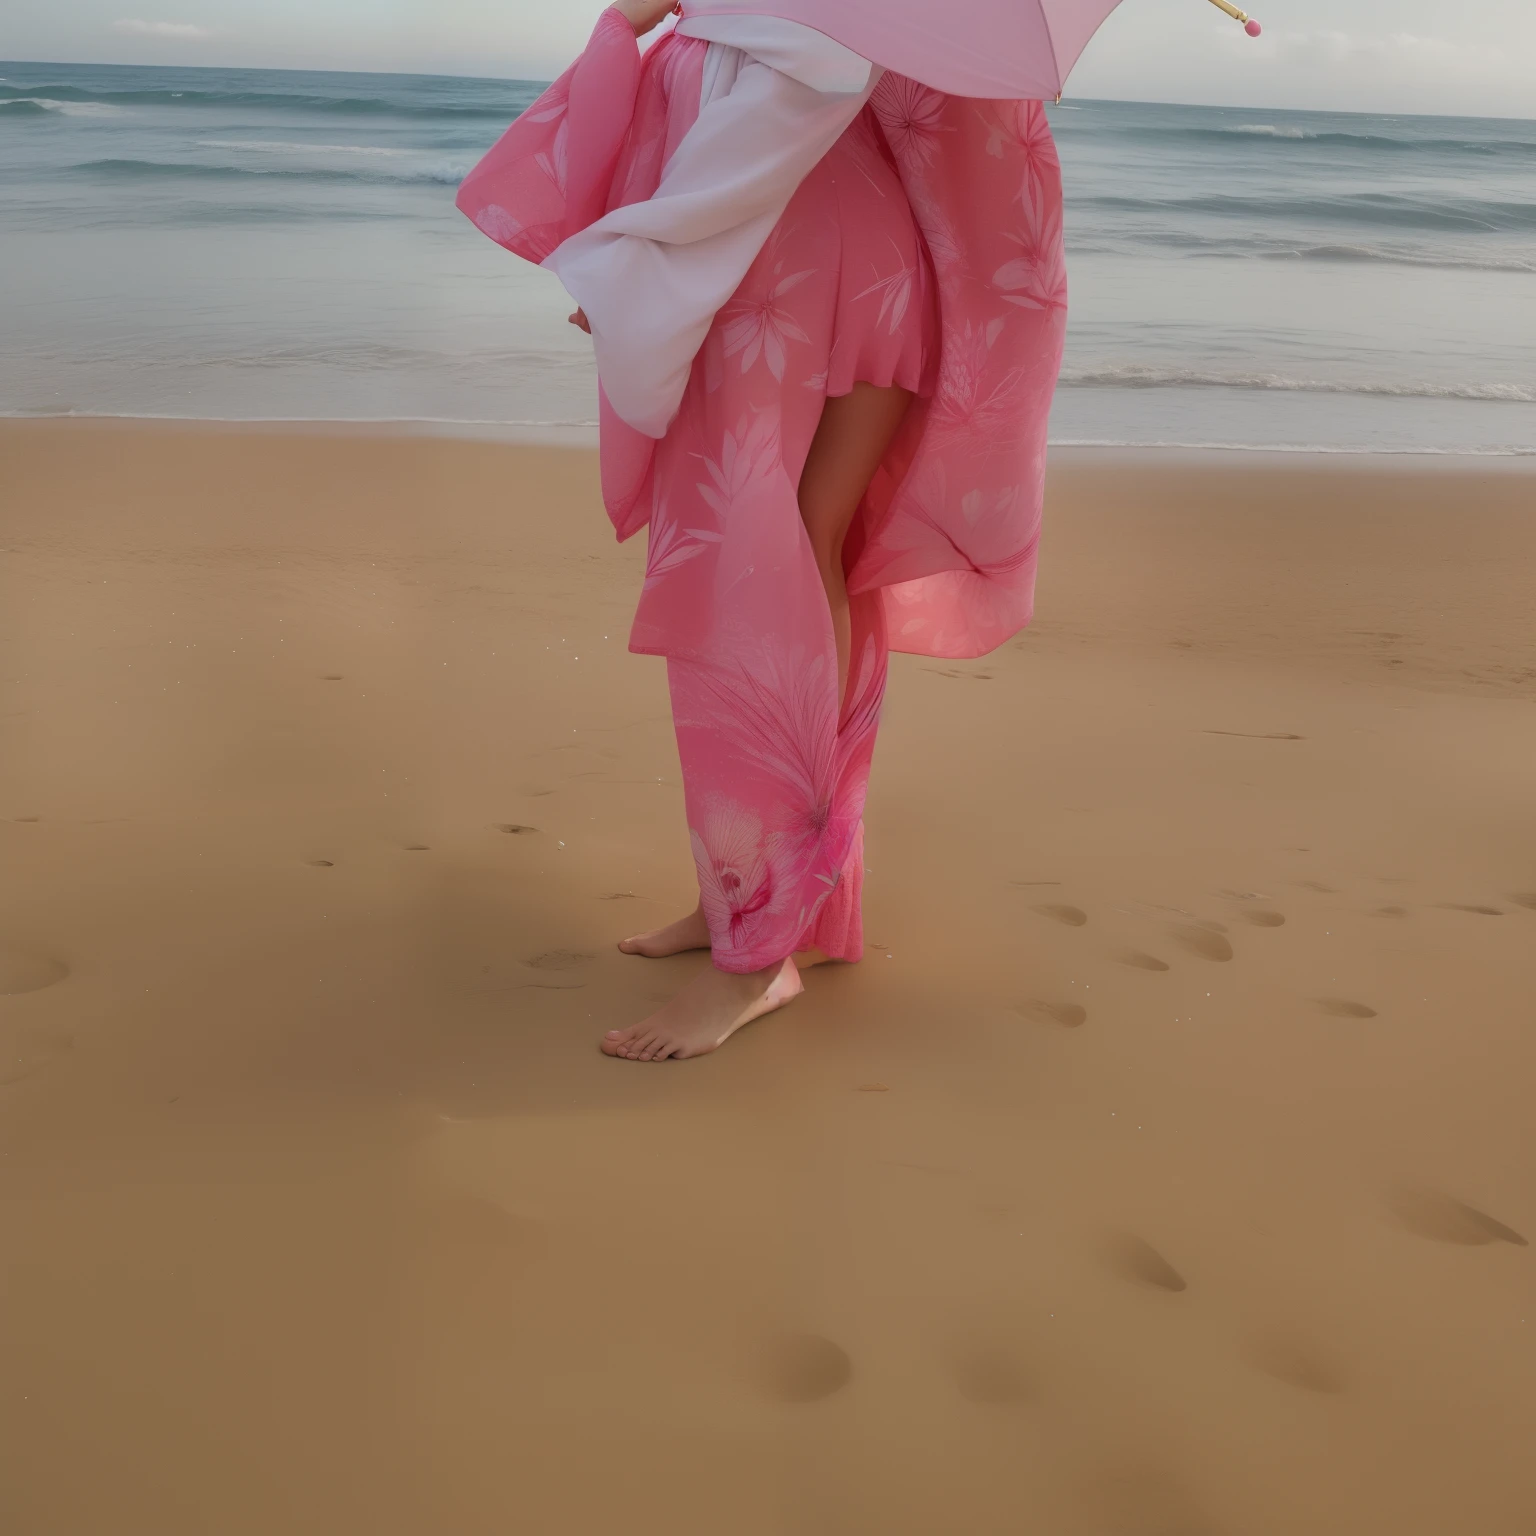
[925, 250]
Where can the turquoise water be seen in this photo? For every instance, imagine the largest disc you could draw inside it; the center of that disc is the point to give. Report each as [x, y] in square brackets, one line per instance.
[275, 245]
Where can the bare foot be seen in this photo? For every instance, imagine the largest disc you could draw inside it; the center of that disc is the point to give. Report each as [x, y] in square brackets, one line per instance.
[705, 1014]
[690, 932]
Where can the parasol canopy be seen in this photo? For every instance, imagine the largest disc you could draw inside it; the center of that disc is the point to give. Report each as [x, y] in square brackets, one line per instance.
[995, 49]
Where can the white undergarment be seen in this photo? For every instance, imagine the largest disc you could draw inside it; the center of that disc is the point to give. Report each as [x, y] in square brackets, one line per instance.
[651, 277]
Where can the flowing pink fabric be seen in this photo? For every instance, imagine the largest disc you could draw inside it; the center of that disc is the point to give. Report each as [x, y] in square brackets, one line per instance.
[924, 250]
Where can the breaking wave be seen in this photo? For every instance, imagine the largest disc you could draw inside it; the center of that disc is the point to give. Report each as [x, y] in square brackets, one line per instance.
[1138, 376]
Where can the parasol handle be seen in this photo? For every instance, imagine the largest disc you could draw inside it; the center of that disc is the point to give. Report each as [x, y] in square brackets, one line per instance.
[1250, 26]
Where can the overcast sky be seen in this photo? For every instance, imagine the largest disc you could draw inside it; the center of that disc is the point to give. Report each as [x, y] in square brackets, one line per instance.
[1362, 55]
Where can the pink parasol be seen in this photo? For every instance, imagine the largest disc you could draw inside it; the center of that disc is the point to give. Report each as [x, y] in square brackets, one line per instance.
[1023, 49]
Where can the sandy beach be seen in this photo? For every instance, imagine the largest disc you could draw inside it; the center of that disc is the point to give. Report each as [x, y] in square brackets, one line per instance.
[1166, 1168]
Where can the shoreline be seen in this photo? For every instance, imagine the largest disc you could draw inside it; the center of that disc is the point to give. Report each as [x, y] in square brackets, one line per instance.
[583, 435]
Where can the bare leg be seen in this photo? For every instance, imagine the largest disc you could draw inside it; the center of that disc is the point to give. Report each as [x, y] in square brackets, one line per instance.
[851, 440]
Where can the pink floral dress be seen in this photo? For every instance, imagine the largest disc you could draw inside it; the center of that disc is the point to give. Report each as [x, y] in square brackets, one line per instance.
[923, 250]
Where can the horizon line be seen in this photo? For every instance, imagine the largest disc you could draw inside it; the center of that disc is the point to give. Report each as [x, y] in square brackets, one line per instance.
[401, 74]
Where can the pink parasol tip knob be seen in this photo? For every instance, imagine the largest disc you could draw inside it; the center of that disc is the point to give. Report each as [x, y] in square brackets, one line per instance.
[1253, 29]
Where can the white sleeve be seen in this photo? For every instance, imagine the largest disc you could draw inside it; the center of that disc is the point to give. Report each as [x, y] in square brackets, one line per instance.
[651, 276]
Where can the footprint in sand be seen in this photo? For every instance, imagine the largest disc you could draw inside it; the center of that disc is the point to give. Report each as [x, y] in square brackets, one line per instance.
[1141, 961]
[990, 1373]
[1296, 1362]
[30, 1052]
[1140, 1500]
[1525, 899]
[1443, 1218]
[514, 828]
[1260, 917]
[28, 970]
[1201, 941]
[981, 677]
[560, 960]
[33, 820]
[417, 848]
[1260, 735]
[1073, 917]
[1391, 911]
[803, 1368]
[321, 863]
[1068, 1015]
[331, 677]
[1135, 1259]
[1319, 887]
[1342, 1008]
[1462, 906]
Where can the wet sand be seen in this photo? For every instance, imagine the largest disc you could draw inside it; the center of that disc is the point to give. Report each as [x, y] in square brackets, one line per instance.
[1165, 1170]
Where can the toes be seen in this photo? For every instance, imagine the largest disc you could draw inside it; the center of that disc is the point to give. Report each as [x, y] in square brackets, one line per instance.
[664, 1048]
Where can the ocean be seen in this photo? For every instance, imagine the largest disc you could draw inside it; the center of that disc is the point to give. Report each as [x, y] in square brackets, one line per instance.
[276, 245]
